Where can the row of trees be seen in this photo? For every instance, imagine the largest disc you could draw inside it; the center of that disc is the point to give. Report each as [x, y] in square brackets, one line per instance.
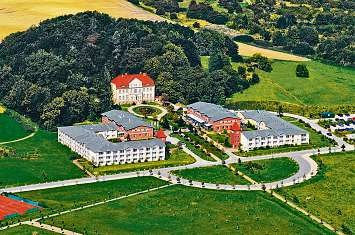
[59, 73]
[322, 28]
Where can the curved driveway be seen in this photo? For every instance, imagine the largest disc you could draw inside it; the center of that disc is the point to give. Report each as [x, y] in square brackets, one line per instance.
[307, 169]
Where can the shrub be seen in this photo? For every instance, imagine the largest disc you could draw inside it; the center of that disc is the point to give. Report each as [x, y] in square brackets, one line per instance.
[302, 71]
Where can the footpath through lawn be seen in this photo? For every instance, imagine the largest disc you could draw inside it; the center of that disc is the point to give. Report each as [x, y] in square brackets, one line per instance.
[181, 210]
[38, 159]
[329, 195]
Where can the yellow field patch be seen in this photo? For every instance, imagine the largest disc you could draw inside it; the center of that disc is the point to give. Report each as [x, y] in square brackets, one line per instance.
[19, 15]
[2, 109]
[248, 50]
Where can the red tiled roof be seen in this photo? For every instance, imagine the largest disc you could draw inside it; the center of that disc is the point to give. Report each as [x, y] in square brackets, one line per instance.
[123, 80]
[160, 134]
[235, 127]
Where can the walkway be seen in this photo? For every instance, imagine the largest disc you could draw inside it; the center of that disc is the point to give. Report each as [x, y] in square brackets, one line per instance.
[158, 117]
[21, 139]
[34, 222]
[307, 169]
[50, 228]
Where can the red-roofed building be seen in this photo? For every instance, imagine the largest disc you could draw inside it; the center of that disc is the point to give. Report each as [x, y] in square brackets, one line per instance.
[234, 135]
[133, 88]
[161, 135]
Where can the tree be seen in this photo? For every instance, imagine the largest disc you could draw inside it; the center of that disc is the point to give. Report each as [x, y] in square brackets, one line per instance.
[218, 61]
[196, 25]
[280, 111]
[343, 147]
[302, 71]
[254, 78]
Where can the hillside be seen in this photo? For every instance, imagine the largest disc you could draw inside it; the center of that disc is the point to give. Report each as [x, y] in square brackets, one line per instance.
[328, 85]
[59, 72]
[317, 29]
[19, 15]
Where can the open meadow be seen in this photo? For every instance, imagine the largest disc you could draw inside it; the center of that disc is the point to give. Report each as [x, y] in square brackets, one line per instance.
[10, 129]
[26, 230]
[18, 15]
[330, 195]
[213, 174]
[190, 210]
[270, 170]
[327, 85]
[37, 159]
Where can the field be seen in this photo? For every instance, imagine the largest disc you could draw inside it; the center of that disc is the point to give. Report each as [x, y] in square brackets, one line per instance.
[18, 15]
[330, 195]
[271, 170]
[10, 129]
[38, 159]
[188, 210]
[249, 50]
[177, 157]
[73, 196]
[327, 85]
[26, 230]
[214, 174]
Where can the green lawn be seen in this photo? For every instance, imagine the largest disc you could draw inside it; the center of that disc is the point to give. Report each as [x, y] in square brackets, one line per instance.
[271, 170]
[327, 85]
[176, 158]
[74, 196]
[330, 194]
[64, 198]
[210, 148]
[184, 210]
[10, 129]
[147, 111]
[213, 174]
[195, 150]
[222, 139]
[26, 230]
[38, 159]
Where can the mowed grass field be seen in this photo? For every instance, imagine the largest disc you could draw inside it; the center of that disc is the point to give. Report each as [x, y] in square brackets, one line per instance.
[10, 129]
[183, 210]
[270, 170]
[330, 195]
[73, 196]
[327, 85]
[38, 159]
[26, 230]
[213, 174]
[19, 15]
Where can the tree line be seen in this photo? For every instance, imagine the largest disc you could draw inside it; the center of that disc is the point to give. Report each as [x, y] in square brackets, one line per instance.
[59, 72]
[322, 29]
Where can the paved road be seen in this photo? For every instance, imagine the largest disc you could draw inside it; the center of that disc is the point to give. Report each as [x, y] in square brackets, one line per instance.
[307, 169]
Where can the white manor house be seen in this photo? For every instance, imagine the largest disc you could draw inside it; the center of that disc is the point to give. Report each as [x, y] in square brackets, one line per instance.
[133, 88]
[271, 131]
[101, 144]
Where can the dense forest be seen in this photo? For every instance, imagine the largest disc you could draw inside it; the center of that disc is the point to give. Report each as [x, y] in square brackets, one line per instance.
[59, 73]
[322, 29]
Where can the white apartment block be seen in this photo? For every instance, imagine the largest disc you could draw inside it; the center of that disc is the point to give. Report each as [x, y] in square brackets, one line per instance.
[92, 143]
[272, 131]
